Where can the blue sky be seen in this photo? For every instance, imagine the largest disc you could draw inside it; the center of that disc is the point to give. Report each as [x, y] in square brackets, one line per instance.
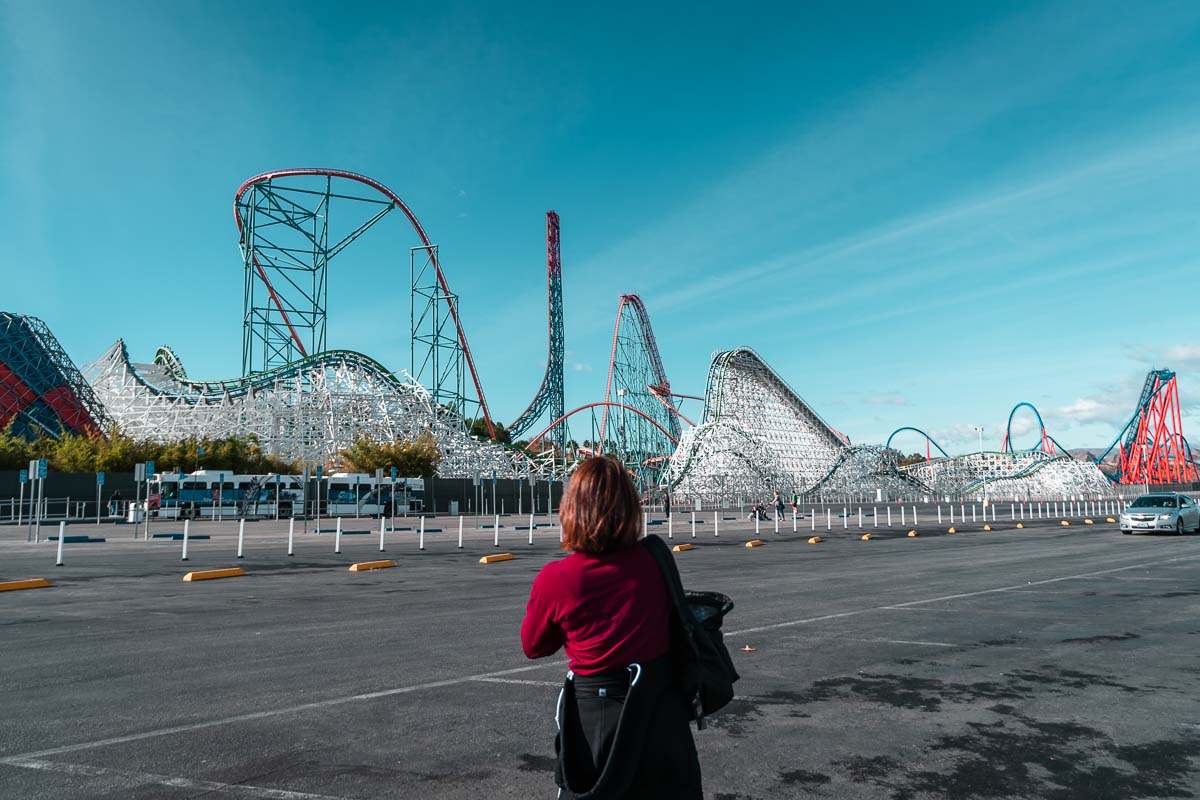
[919, 214]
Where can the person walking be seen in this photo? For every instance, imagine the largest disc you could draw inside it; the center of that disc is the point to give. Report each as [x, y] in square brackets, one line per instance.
[114, 503]
[778, 503]
[623, 719]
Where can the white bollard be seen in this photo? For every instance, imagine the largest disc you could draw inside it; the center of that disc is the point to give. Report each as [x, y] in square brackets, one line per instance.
[860, 517]
[382, 528]
[421, 539]
[901, 516]
[496, 539]
[914, 510]
[62, 534]
[645, 523]
[889, 508]
[670, 527]
[776, 523]
[812, 519]
[716, 524]
[460, 532]
[185, 539]
[241, 536]
[973, 512]
[875, 516]
[939, 515]
[793, 520]
[828, 519]
[845, 519]
[951, 513]
[531, 529]
[962, 512]
[292, 536]
[693, 524]
[756, 524]
[1012, 511]
[337, 537]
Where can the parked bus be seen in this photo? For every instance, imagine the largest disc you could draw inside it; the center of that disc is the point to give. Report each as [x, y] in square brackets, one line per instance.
[347, 493]
[212, 494]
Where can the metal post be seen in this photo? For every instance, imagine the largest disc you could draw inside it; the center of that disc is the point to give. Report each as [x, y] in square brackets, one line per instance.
[186, 522]
[98, 487]
[62, 535]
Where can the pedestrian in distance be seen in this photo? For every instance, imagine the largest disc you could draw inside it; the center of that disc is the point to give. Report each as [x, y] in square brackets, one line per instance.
[114, 503]
[778, 503]
[623, 716]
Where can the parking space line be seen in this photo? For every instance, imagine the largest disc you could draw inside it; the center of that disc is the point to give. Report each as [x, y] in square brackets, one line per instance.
[240, 789]
[960, 596]
[273, 712]
[555, 684]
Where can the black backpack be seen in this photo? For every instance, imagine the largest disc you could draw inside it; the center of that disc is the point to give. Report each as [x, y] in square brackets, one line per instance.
[702, 662]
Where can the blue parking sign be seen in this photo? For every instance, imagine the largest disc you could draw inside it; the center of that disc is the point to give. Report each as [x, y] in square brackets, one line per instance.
[149, 470]
[100, 478]
[42, 467]
[395, 472]
[24, 474]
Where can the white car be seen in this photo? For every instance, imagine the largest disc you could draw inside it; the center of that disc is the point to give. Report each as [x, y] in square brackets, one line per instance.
[1161, 511]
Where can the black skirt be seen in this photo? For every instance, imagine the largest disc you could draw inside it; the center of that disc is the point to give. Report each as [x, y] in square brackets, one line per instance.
[624, 735]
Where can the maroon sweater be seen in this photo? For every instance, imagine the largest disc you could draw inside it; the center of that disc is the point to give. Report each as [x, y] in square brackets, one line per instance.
[607, 611]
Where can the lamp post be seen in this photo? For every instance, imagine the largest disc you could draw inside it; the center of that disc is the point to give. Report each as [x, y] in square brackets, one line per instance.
[979, 430]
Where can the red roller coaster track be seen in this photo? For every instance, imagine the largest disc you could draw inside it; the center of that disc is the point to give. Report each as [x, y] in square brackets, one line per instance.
[661, 388]
[412, 218]
[606, 405]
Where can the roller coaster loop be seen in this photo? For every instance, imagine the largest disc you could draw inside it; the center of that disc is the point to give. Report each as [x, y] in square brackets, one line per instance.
[1047, 443]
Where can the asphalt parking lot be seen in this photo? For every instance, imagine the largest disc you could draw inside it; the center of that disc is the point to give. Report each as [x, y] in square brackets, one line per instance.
[1057, 662]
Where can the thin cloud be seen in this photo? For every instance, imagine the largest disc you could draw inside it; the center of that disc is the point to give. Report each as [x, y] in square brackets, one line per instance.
[892, 399]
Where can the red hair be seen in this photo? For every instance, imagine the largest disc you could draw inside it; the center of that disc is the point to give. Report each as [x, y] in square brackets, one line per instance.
[601, 511]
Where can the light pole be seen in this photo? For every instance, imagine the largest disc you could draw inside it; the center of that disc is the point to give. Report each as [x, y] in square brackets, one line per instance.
[979, 430]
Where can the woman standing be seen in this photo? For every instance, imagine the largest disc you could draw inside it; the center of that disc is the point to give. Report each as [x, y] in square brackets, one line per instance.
[623, 722]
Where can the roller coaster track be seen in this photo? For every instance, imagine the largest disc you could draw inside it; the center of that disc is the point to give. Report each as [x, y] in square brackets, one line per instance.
[214, 391]
[549, 396]
[267, 177]
[1151, 445]
[657, 384]
[928, 441]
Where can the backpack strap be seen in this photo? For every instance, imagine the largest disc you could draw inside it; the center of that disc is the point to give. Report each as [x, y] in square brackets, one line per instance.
[683, 616]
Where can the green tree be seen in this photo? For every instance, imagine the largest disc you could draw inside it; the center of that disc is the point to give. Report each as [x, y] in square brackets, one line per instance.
[411, 458]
